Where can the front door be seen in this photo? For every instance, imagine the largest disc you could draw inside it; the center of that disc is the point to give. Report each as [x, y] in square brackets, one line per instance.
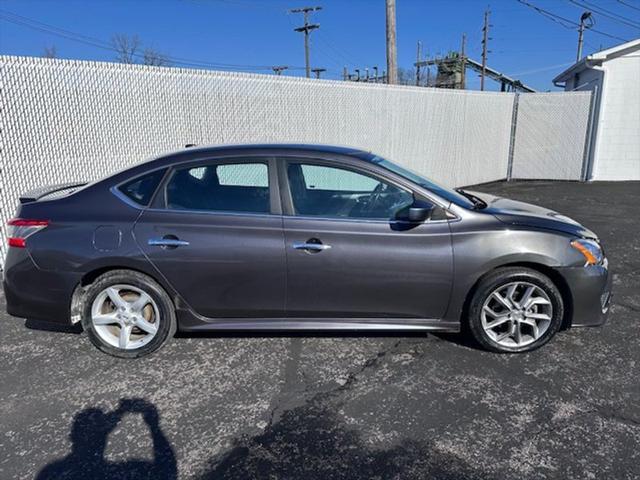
[217, 238]
[348, 256]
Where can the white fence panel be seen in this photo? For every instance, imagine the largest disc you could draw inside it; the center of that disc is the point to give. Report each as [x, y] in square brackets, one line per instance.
[551, 132]
[66, 120]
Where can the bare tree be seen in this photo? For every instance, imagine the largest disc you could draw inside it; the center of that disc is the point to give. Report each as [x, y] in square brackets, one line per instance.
[126, 47]
[151, 56]
[129, 49]
[50, 52]
[407, 76]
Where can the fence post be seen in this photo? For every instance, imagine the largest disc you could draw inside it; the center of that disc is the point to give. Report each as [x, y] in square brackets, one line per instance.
[588, 141]
[512, 139]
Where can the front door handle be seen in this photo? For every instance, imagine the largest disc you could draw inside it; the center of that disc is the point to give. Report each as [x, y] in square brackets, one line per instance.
[311, 246]
[167, 242]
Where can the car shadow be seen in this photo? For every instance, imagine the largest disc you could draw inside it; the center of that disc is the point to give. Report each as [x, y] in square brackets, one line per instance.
[462, 339]
[89, 435]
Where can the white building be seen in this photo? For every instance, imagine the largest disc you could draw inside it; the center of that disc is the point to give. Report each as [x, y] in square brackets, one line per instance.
[614, 77]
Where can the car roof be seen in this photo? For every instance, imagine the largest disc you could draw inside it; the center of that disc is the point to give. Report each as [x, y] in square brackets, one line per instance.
[191, 152]
[311, 147]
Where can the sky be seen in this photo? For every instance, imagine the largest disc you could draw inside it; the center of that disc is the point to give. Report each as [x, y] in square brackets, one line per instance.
[253, 35]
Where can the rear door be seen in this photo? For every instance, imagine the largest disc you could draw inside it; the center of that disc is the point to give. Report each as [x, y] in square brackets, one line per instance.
[215, 233]
[347, 254]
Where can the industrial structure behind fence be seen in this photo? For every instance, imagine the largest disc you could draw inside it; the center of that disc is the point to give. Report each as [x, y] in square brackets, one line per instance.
[75, 120]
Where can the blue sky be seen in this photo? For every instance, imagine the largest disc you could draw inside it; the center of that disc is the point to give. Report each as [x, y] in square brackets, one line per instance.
[255, 34]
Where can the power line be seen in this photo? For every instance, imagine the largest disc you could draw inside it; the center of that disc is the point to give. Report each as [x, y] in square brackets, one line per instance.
[97, 43]
[628, 5]
[338, 50]
[565, 22]
[539, 70]
[607, 14]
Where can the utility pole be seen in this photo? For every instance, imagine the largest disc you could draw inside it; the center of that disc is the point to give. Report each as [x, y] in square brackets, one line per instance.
[318, 71]
[345, 74]
[392, 51]
[418, 58]
[306, 29]
[278, 69]
[583, 18]
[375, 72]
[485, 39]
[463, 61]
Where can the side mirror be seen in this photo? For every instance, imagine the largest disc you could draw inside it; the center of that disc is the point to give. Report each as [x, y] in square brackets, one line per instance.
[419, 214]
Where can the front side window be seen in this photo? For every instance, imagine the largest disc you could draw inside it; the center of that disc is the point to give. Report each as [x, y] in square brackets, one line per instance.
[229, 187]
[319, 190]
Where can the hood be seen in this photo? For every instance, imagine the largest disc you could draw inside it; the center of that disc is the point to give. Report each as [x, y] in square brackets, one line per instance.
[513, 212]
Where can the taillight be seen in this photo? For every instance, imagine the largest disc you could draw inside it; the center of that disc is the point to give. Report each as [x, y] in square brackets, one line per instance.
[21, 228]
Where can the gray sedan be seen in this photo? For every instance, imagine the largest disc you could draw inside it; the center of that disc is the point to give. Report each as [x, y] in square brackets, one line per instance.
[296, 237]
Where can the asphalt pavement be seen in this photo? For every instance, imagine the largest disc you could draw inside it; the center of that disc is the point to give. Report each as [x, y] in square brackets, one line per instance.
[341, 407]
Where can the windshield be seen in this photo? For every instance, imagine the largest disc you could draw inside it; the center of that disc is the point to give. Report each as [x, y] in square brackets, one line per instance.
[443, 192]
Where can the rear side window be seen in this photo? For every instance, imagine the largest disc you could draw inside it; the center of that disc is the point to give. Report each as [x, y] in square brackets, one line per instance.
[229, 187]
[141, 189]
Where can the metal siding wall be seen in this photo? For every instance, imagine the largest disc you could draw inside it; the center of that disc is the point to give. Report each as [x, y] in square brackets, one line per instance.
[550, 138]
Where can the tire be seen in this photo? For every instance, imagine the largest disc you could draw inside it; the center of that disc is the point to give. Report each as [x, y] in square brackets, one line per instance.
[117, 325]
[513, 328]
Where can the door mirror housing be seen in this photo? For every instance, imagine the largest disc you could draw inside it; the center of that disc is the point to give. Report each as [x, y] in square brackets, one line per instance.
[419, 214]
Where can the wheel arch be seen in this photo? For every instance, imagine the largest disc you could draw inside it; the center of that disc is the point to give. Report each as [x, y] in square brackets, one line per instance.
[75, 308]
[554, 276]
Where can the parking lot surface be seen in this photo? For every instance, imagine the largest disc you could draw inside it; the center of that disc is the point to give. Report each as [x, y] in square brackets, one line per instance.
[334, 406]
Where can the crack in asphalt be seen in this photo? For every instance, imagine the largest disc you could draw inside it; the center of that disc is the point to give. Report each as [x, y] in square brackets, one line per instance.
[290, 397]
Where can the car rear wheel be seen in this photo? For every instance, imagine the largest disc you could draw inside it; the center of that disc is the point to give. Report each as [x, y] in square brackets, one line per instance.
[515, 309]
[127, 314]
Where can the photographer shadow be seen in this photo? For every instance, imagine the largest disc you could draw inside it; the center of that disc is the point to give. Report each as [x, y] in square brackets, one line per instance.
[89, 435]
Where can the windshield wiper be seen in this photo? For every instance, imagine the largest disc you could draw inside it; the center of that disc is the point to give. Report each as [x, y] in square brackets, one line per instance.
[478, 203]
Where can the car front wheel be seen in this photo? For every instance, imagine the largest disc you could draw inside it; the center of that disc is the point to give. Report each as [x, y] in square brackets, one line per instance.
[127, 314]
[515, 309]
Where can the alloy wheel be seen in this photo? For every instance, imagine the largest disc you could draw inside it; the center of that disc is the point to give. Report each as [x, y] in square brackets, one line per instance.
[125, 316]
[516, 314]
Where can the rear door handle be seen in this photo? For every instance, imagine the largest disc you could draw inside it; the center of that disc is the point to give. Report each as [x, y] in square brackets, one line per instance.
[167, 242]
[311, 247]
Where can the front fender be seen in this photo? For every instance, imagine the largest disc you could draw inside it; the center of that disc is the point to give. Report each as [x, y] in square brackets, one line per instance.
[478, 251]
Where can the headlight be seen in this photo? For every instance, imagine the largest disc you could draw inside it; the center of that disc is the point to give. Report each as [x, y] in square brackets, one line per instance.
[590, 249]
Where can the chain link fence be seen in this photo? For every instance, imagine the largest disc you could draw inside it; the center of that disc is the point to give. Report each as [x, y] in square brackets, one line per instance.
[67, 120]
[550, 136]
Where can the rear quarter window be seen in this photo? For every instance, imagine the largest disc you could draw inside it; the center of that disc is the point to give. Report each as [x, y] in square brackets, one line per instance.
[141, 189]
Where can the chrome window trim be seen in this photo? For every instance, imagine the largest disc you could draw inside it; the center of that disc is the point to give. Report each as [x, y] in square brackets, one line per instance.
[369, 169]
[214, 212]
[121, 196]
[266, 160]
[363, 220]
[404, 184]
[115, 189]
[125, 199]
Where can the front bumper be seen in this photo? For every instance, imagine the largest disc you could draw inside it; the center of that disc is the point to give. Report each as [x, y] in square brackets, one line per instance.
[34, 293]
[590, 289]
